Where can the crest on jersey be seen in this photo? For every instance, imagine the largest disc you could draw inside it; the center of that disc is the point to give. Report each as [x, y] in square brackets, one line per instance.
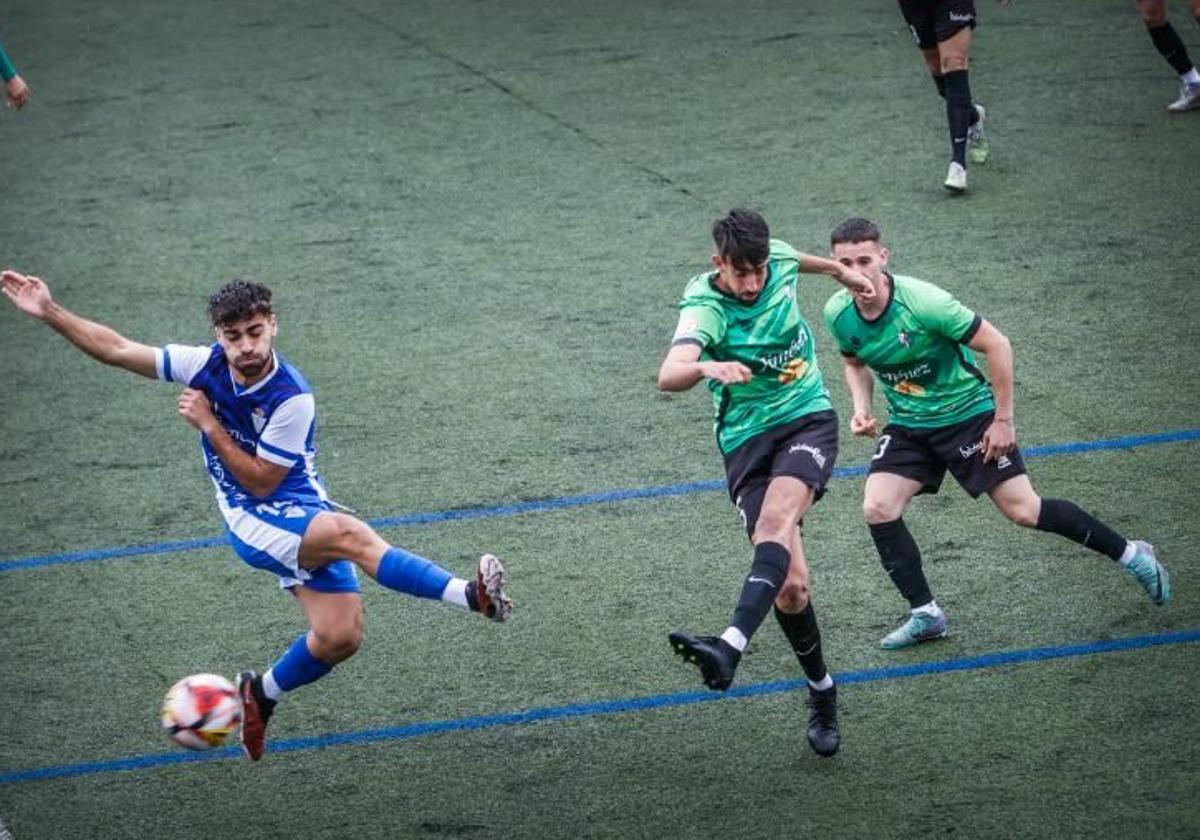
[259, 418]
[904, 339]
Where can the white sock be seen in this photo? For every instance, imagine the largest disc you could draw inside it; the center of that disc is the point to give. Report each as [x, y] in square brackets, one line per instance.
[456, 593]
[1191, 77]
[824, 684]
[736, 639]
[270, 687]
[1130, 548]
[931, 608]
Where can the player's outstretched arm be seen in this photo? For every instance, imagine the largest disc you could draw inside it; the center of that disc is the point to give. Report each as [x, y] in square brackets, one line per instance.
[1001, 436]
[682, 369]
[858, 285]
[32, 296]
[862, 388]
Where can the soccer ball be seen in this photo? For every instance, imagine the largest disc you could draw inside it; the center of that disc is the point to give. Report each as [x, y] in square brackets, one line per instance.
[201, 711]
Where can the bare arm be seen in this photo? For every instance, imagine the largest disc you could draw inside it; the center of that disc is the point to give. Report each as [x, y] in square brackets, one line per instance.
[258, 476]
[682, 369]
[1000, 438]
[32, 296]
[858, 285]
[861, 383]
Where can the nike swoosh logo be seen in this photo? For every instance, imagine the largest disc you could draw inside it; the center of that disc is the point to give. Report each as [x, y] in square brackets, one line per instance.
[753, 579]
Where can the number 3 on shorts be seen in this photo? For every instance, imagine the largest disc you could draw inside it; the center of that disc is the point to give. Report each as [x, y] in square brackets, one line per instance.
[881, 446]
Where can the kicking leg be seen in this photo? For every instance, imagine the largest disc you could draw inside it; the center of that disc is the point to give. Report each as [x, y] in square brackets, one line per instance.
[334, 536]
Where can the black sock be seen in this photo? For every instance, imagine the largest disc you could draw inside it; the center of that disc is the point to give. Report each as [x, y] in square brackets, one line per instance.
[940, 82]
[1170, 46]
[767, 573]
[1065, 518]
[802, 631]
[959, 111]
[901, 560]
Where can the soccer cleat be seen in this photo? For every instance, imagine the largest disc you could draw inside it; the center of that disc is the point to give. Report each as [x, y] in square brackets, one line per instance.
[490, 581]
[977, 144]
[256, 711]
[1189, 98]
[920, 627]
[716, 658]
[956, 178]
[1150, 573]
[823, 732]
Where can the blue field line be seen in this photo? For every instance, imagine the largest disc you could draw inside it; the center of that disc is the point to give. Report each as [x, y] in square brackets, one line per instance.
[561, 502]
[605, 707]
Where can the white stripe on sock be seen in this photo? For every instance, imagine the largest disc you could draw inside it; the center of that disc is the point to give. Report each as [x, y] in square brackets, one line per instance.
[456, 593]
[270, 687]
[736, 638]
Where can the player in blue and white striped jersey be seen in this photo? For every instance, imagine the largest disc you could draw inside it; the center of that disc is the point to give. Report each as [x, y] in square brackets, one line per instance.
[256, 416]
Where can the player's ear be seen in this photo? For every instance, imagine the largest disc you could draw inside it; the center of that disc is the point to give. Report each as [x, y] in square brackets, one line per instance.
[716, 261]
[274, 322]
[884, 255]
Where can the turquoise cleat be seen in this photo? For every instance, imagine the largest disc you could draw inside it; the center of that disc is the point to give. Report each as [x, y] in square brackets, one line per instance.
[1151, 574]
[920, 627]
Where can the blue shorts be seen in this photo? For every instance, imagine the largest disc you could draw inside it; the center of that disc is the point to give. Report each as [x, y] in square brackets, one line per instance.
[267, 537]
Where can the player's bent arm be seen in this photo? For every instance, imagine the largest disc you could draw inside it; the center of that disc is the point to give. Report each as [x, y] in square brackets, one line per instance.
[995, 345]
[848, 277]
[257, 475]
[681, 369]
[861, 383]
[102, 343]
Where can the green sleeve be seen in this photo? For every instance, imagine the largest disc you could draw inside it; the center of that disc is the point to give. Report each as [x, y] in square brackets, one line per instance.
[833, 309]
[699, 325]
[7, 71]
[942, 313]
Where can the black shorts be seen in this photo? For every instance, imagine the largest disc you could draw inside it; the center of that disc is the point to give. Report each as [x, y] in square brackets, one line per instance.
[924, 455]
[934, 21]
[805, 449]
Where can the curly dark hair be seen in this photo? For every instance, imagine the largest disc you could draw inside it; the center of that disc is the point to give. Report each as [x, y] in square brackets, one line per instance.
[742, 238]
[237, 300]
[855, 230]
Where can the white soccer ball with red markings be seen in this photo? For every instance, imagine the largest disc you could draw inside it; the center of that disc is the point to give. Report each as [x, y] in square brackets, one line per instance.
[201, 711]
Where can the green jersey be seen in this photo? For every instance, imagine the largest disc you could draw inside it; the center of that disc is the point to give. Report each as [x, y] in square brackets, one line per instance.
[917, 347]
[769, 337]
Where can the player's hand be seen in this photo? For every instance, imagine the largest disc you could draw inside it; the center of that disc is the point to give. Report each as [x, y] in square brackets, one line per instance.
[18, 92]
[864, 424]
[999, 439]
[194, 408]
[859, 286]
[727, 373]
[29, 294]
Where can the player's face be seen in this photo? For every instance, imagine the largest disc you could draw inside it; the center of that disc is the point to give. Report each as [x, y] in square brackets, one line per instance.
[247, 345]
[867, 258]
[745, 282]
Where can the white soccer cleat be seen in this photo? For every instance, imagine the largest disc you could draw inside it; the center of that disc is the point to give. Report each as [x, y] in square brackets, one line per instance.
[1189, 98]
[956, 178]
[490, 581]
[977, 144]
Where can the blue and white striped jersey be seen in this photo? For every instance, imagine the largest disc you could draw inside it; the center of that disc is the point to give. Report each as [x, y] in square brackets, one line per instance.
[275, 419]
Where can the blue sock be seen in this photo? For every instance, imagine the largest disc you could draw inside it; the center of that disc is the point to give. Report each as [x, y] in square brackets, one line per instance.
[411, 574]
[298, 666]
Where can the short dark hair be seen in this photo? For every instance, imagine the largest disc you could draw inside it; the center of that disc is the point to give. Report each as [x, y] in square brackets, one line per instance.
[855, 230]
[237, 300]
[742, 238]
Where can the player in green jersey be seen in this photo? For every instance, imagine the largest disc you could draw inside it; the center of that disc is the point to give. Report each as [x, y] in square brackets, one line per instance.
[16, 91]
[740, 330]
[944, 415]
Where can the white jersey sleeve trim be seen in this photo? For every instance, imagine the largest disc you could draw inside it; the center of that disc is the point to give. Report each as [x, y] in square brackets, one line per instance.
[178, 363]
[282, 441]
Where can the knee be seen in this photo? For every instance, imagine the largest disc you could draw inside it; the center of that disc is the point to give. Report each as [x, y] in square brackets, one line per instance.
[876, 510]
[772, 527]
[341, 637]
[351, 536]
[1154, 12]
[953, 60]
[1025, 512]
[793, 596]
